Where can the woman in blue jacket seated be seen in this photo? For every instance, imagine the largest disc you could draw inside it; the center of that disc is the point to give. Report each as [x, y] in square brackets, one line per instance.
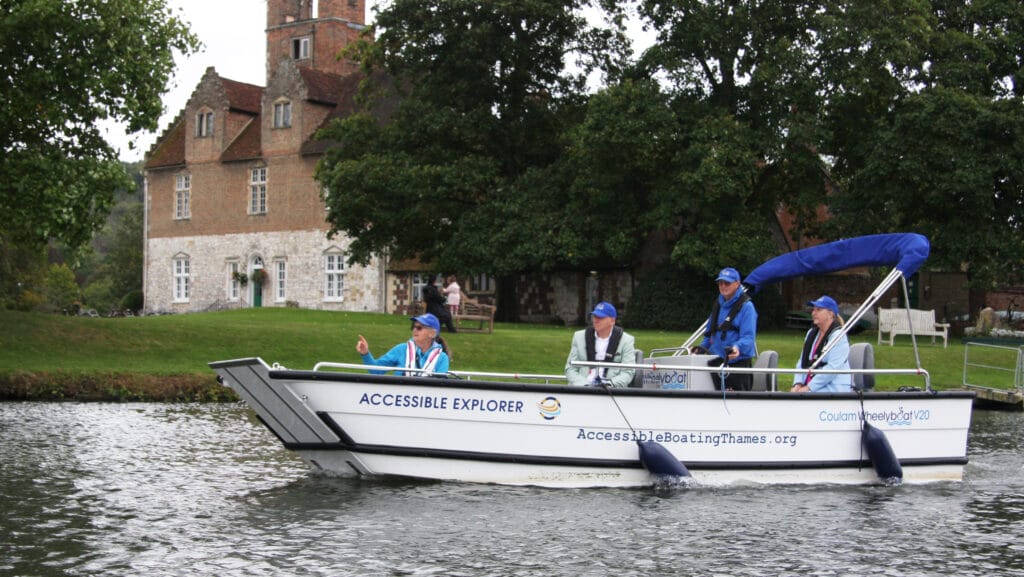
[422, 351]
[826, 329]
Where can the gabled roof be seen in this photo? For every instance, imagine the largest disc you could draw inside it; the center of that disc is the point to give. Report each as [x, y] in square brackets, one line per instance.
[243, 97]
[347, 104]
[169, 150]
[321, 87]
[247, 145]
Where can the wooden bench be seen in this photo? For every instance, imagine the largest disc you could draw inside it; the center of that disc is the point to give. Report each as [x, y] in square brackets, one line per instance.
[898, 322]
[473, 312]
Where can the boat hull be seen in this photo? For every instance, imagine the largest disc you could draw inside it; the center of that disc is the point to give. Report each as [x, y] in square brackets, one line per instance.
[561, 436]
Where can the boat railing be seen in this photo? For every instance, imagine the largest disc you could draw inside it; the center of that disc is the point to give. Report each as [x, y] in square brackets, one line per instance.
[460, 374]
[671, 351]
[759, 370]
[509, 376]
[357, 366]
[1018, 365]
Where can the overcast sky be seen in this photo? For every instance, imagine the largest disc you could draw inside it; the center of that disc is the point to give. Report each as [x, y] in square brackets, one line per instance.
[232, 33]
[234, 42]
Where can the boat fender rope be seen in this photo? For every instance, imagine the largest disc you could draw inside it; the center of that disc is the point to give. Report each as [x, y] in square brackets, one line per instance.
[658, 460]
[721, 379]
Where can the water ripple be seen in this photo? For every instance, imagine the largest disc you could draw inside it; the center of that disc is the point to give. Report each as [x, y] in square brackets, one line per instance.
[168, 490]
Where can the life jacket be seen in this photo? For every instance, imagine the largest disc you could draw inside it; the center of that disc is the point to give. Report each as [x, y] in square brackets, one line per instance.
[590, 336]
[726, 325]
[411, 357]
[807, 358]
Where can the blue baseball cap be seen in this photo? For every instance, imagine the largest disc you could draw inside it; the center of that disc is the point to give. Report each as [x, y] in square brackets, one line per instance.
[728, 274]
[603, 310]
[825, 302]
[428, 320]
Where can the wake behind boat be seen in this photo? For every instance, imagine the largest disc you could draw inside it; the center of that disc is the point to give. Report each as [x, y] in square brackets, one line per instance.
[476, 427]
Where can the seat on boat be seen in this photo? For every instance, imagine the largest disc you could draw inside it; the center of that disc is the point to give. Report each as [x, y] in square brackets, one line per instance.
[765, 381]
[862, 356]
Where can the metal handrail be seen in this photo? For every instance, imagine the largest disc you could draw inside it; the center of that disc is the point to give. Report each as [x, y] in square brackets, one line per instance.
[330, 365]
[634, 366]
[424, 372]
[676, 351]
[513, 376]
[759, 370]
[1018, 370]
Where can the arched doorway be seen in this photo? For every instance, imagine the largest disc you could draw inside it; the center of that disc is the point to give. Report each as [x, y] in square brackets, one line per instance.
[258, 276]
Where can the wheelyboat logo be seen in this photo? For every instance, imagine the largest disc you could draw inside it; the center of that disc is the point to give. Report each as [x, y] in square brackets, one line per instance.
[550, 408]
[897, 417]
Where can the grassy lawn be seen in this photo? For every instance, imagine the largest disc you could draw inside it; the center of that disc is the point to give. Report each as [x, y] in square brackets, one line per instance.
[179, 345]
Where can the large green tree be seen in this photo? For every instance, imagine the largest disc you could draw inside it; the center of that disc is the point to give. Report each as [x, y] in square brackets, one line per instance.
[469, 168]
[64, 66]
[930, 137]
[894, 116]
[746, 95]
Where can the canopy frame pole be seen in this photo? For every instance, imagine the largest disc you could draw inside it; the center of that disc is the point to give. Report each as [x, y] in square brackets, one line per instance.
[895, 275]
[685, 349]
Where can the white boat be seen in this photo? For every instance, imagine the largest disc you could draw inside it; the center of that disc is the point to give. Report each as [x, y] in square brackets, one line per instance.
[479, 427]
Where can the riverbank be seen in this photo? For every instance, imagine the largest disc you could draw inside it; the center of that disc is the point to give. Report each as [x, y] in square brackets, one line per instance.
[164, 358]
[113, 387]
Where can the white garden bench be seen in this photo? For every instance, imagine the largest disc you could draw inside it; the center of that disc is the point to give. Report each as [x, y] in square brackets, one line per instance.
[898, 322]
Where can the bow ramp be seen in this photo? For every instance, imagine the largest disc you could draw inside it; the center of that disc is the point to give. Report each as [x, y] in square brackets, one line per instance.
[284, 413]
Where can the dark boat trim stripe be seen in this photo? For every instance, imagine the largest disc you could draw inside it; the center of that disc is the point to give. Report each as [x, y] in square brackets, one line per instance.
[601, 463]
[348, 444]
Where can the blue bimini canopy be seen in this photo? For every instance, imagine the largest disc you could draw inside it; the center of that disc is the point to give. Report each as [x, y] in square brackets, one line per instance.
[904, 251]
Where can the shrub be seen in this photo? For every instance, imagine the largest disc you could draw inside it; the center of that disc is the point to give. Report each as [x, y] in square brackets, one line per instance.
[132, 301]
[98, 295]
[671, 298]
[60, 288]
[771, 308]
[29, 300]
[676, 299]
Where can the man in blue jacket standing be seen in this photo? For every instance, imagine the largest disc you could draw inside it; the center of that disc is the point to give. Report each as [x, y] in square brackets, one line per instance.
[732, 331]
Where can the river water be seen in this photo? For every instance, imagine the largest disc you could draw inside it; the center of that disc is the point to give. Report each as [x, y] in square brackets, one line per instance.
[163, 489]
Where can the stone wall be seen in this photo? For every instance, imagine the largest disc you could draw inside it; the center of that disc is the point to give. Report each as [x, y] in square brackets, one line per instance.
[566, 297]
[210, 258]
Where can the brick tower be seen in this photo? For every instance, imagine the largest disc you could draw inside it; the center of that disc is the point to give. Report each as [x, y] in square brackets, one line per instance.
[313, 32]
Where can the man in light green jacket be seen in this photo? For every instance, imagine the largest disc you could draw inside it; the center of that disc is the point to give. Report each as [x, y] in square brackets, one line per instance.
[602, 342]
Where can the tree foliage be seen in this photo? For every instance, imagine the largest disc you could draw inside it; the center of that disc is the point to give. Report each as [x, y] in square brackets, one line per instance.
[891, 116]
[63, 67]
[467, 170]
[942, 153]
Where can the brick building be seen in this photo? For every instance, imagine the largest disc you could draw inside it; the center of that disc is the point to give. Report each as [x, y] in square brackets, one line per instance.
[233, 214]
[230, 195]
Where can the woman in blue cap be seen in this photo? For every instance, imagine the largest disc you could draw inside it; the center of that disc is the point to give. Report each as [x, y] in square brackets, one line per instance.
[826, 329]
[422, 351]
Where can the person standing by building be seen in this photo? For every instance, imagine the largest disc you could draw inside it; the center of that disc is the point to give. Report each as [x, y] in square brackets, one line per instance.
[731, 332]
[436, 304]
[453, 292]
[602, 342]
